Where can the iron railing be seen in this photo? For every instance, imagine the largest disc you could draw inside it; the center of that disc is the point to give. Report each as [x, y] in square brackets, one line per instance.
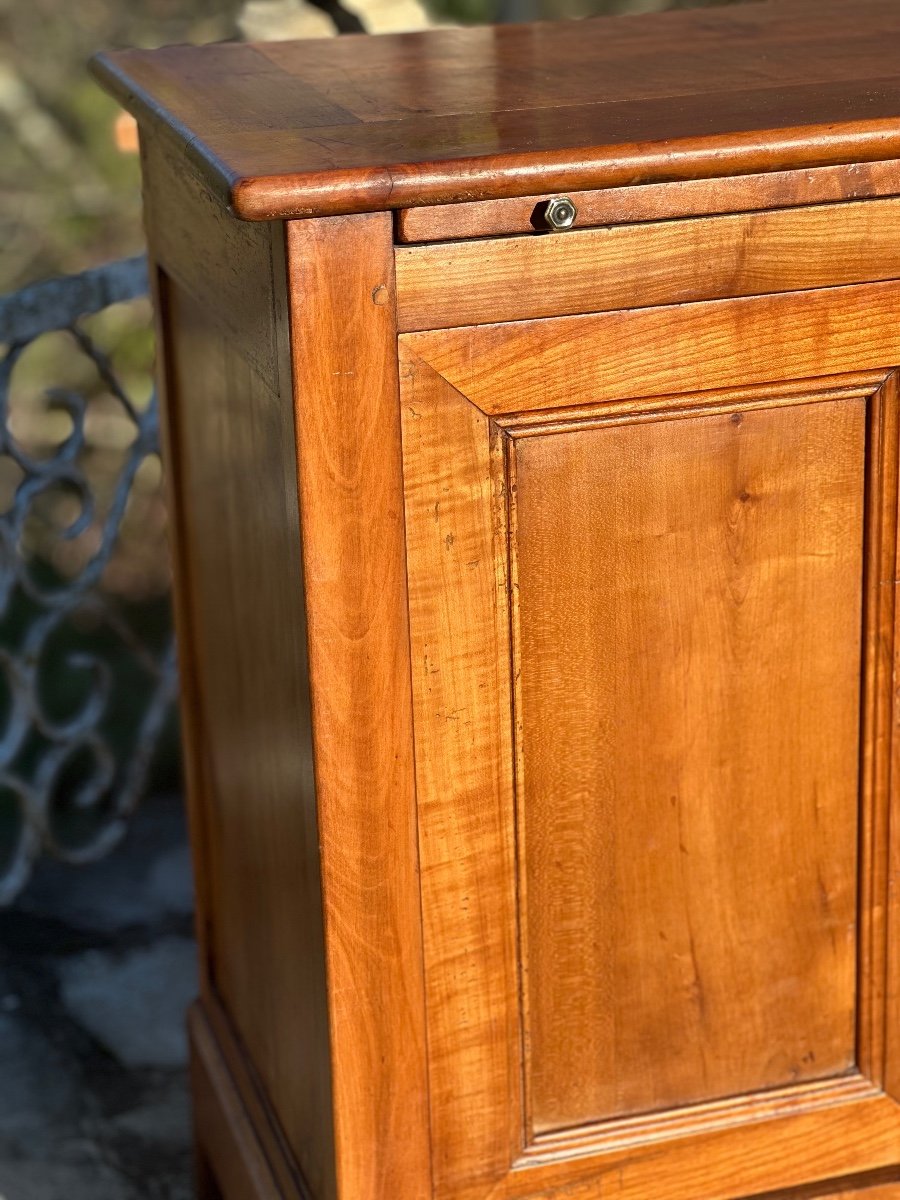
[46, 805]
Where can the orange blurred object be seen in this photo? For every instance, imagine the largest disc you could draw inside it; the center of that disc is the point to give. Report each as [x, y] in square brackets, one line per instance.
[126, 133]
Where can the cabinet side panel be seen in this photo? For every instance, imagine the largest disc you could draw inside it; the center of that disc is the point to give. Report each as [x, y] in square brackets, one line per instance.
[241, 544]
[690, 824]
[225, 379]
[226, 264]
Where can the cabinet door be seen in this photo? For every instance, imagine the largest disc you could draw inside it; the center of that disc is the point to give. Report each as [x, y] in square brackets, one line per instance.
[652, 566]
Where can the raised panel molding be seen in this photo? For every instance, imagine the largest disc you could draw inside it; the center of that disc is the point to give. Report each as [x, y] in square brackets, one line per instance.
[468, 718]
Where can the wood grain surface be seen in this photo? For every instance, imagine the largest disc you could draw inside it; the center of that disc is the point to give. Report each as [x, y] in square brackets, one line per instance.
[241, 545]
[816, 527]
[877, 1185]
[229, 266]
[879, 1037]
[689, 826]
[644, 354]
[459, 634]
[228, 1148]
[343, 341]
[651, 202]
[880, 1191]
[769, 1153]
[364, 124]
[769, 1137]
[638, 266]
[225, 389]
[540, 696]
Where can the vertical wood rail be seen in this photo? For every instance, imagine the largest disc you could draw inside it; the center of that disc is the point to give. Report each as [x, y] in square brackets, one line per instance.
[882, 738]
[877, 738]
[343, 345]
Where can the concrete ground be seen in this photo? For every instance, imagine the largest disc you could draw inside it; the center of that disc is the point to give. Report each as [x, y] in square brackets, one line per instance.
[97, 967]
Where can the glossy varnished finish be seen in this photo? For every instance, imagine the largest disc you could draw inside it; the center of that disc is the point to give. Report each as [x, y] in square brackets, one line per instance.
[331, 1106]
[306, 128]
[716, 473]
[260, 859]
[663, 578]
[638, 266]
[536, 600]
[343, 340]
[652, 202]
[464, 772]
[615, 357]
[223, 331]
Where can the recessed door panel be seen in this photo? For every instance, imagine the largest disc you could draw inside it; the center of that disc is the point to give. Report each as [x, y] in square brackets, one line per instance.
[688, 661]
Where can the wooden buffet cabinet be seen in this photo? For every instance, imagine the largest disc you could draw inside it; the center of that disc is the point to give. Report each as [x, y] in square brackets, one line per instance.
[536, 598]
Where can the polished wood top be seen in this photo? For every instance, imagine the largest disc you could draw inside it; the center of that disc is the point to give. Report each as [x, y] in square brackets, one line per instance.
[356, 124]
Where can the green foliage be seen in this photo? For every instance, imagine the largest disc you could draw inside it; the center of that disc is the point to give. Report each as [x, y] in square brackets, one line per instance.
[466, 12]
[69, 197]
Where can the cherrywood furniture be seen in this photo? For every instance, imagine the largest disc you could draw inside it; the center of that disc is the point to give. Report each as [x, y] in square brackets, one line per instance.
[536, 598]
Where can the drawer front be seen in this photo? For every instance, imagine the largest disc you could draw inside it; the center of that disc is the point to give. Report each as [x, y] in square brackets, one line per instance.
[637, 266]
[652, 563]
[651, 202]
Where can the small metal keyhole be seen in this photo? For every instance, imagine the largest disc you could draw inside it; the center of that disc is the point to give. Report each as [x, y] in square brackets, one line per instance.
[560, 213]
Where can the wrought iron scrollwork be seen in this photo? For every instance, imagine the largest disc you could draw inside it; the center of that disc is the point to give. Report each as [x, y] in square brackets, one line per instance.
[38, 746]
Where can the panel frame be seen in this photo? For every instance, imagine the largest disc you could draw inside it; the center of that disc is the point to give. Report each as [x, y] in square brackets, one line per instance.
[342, 332]
[569, 362]
[852, 1123]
